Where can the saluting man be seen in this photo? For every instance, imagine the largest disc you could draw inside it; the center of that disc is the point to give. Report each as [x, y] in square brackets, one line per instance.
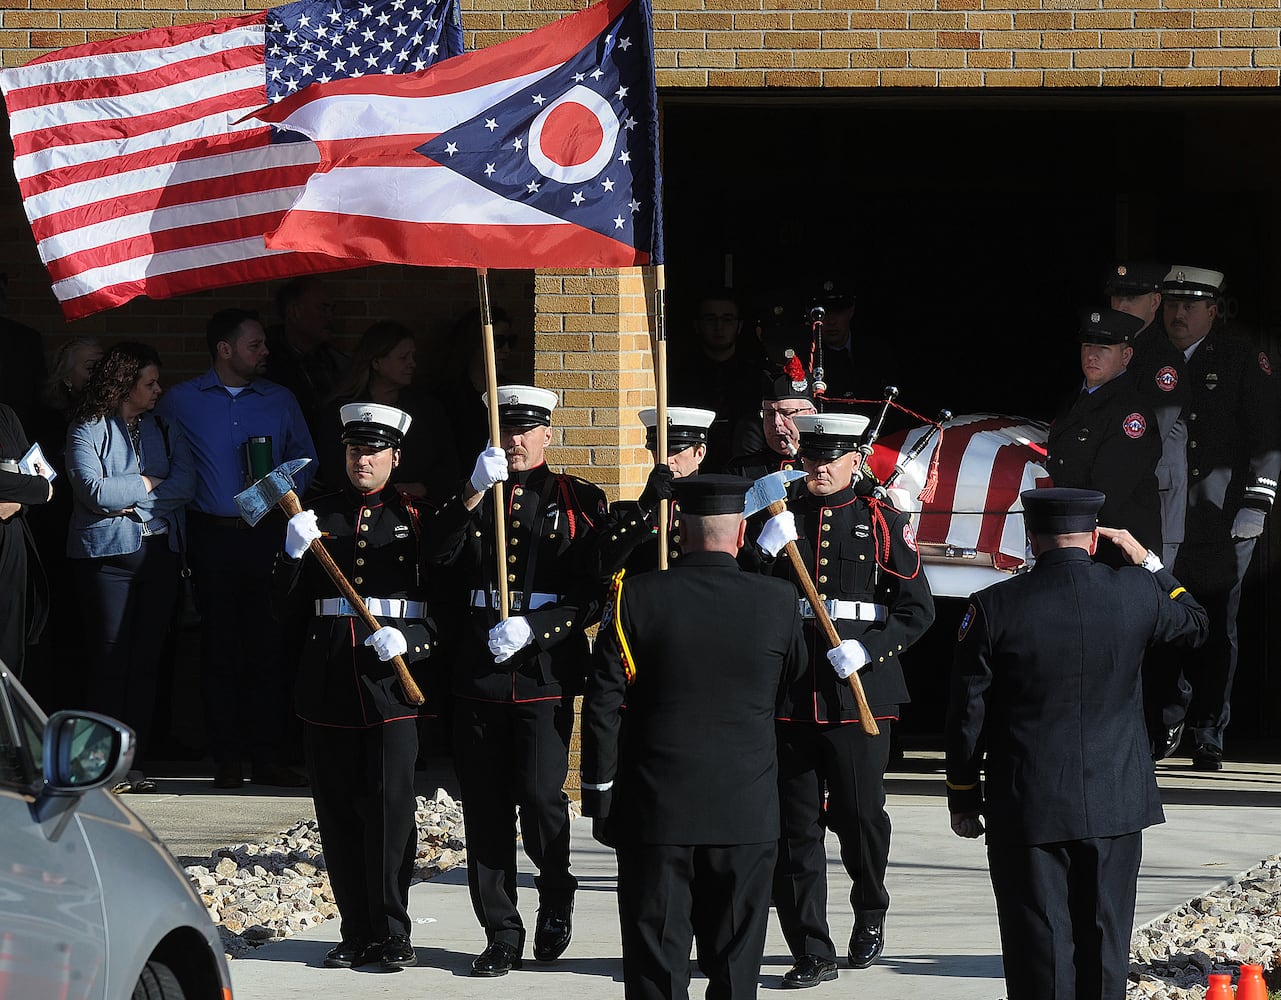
[629, 538]
[863, 556]
[1046, 689]
[686, 788]
[1107, 438]
[360, 732]
[515, 679]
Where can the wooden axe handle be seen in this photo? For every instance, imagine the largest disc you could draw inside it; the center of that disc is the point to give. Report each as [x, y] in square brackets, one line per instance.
[290, 505]
[865, 718]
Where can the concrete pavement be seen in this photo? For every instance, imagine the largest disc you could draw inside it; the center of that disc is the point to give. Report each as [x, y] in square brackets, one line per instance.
[941, 934]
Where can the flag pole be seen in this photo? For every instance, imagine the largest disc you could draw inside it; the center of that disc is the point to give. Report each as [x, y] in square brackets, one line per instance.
[491, 386]
[660, 389]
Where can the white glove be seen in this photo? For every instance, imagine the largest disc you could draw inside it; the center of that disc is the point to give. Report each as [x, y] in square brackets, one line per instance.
[491, 467]
[508, 637]
[848, 657]
[1248, 523]
[299, 534]
[388, 642]
[778, 531]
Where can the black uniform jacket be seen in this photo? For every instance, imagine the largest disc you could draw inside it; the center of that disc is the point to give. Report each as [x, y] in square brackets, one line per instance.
[375, 540]
[1234, 434]
[19, 561]
[628, 539]
[1109, 440]
[551, 517]
[857, 549]
[1046, 682]
[761, 463]
[694, 762]
[1158, 370]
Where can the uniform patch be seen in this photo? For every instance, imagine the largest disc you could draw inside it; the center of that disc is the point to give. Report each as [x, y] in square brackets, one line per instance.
[966, 622]
[909, 537]
[1265, 364]
[1134, 426]
[1167, 379]
[401, 531]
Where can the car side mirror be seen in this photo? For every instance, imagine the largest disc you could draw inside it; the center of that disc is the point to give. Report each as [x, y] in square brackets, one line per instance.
[82, 751]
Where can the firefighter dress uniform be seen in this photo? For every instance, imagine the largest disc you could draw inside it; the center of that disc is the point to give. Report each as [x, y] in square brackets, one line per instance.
[360, 732]
[863, 557]
[512, 720]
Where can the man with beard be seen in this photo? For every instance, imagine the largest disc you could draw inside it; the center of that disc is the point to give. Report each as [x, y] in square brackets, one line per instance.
[231, 562]
[1233, 411]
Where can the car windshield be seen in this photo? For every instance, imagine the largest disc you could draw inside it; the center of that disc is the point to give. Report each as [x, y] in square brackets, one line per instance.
[21, 736]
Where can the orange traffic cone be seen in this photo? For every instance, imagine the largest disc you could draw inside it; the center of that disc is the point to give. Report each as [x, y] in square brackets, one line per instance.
[1251, 985]
[1220, 987]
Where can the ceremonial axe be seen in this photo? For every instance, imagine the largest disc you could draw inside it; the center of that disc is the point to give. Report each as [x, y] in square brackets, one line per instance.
[769, 493]
[276, 488]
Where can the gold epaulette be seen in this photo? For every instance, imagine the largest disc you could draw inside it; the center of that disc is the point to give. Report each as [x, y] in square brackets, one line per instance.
[611, 618]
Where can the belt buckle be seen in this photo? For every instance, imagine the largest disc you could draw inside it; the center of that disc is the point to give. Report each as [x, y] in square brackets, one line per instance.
[517, 599]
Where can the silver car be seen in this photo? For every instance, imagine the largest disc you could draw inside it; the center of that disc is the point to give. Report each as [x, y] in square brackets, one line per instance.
[92, 905]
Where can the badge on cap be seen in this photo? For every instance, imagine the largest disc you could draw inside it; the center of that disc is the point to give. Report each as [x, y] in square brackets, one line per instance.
[1121, 270]
[1095, 317]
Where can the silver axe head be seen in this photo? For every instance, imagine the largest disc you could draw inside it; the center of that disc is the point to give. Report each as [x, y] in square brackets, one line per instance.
[769, 489]
[263, 495]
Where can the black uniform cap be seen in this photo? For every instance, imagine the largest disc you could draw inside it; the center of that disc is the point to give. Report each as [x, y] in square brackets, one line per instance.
[1108, 326]
[1137, 277]
[713, 494]
[832, 296]
[1061, 511]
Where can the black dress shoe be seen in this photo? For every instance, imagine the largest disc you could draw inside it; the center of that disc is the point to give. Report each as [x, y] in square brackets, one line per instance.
[810, 970]
[496, 960]
[370, 954]
[552, 932]
[344, 954]
[397, 953]
[278, 776]
[1207, 758]
[229, 775]
[1167, 742]
[866, 943]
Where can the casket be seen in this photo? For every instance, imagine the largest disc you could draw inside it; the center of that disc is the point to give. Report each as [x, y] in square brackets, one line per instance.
[970, 529]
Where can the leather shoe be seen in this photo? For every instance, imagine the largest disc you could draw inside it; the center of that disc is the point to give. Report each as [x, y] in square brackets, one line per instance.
[278, 776]
[344, 954]
[229, 775]
[1167, 742]
[397, 953]
[810, 970]
[866, 943]
[496, 960]
[1207, 757]
[554, 928]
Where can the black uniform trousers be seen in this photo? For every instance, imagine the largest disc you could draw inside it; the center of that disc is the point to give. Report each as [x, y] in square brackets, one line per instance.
[1066, 911]
[1199, 681]
[508, 756]
[241, 649]
[672, 895]
[362, 784]
[849, 765]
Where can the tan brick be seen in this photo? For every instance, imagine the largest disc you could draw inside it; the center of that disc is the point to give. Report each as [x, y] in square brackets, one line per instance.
[1131, 77]
[756, 21]
[1224, 19]
[1129, 39]
[57, 39]
[564, 341]
[852, 78]
[1268, 57]
[681, 78]
[1043, 21]
[793, 40]
[102, 20]
[1101, 58]
[1097, 20]
[825, 21]
[1189, 39]
[1072, 77]
[989, 60]
[823, 59]
[1042, 60]
[1012, 78]
[878, 20]
[19, 19]
[736, 78]
[1267, 18]
[1258, 38]
[13, 40]
[960, 78]
[1011, 39]
[701, 21]
[850, 40]
[1070, 40]
[1172, 57]
[1222, 57]
[885, 58]
[959, 40]
[736, 40]
[939, 22]
[778, 59]
[907, 39]
[936, 59]
[989, 21]
[908, 78]
[664, 59]
[683, 40]
[1250, 77]
[1163, 19]
[1249, 4]
[960, 4]
[722, 59]
[1190, 78]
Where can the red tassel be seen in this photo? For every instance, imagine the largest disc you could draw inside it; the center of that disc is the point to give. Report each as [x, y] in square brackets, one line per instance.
[932, 477]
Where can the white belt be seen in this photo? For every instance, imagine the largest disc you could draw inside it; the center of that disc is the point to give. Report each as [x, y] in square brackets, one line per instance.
[848, 611]
[379, 606]
[519, 601]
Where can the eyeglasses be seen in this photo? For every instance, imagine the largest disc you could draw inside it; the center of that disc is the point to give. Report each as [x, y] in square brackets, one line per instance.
[787, 414]
[718, 319]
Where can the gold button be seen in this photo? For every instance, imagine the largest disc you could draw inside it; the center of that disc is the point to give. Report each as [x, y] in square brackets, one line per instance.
[822, 597]
[358, 580]
[515, 506]
[364, 527]
[360, 562]
[861, 557]
[513, 541]
[1191, 416]
[557, 628]
[478, 534]
[676, 539]
[787, 467]
[418, 649]
[824, 543]
[515, 524]
[823, 561]
[511, 558]
[511, 577]
[547, 635]
[366, 513]
[361, 544]
[401, 558]
[822, 579]
[1191, 444]
[674, 554]
[517, 491]
[827, 527]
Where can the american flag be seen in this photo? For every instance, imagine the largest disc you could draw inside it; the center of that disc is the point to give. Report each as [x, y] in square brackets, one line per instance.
[137, 172]
[541, 151]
